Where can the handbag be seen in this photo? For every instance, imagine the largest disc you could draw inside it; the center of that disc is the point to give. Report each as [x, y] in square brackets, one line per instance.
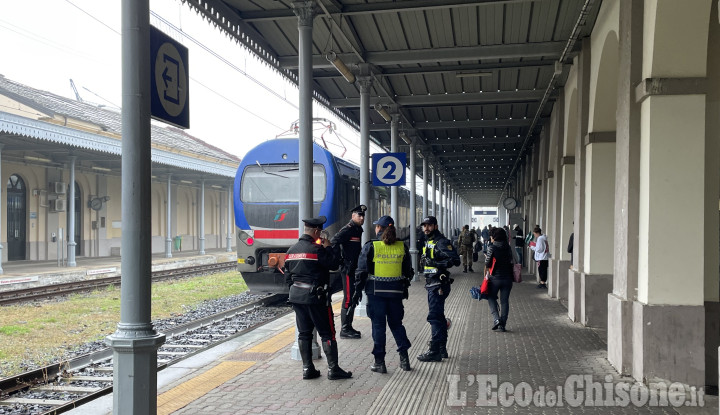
[485, 287]
[517, 272]
[475, 256]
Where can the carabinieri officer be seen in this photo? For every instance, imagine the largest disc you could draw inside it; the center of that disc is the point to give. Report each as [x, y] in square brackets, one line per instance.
[348, 238]
[438, 255]
[385, 272]
[308, 266]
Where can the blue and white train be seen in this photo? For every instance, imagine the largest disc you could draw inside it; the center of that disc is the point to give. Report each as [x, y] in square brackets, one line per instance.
[266, 194]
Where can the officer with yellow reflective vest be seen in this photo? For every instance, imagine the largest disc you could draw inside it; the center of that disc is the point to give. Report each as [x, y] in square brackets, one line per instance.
[384, 271]
[438, 255]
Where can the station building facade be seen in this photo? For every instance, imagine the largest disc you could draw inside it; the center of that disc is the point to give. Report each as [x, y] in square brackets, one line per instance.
[49, 143]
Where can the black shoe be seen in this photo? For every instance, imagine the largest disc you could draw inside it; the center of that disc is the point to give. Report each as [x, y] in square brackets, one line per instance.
[334, 370]
[405, 361]
[443, 351]
[432, 355]
[352, 329]
[465, 270]
[541, 285]
[379, 366]
[497, 325]
[470, 269]
[501, 328]
[309, 371]
[348, 334]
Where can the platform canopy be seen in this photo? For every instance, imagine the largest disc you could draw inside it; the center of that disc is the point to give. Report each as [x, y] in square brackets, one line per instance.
[469, 79]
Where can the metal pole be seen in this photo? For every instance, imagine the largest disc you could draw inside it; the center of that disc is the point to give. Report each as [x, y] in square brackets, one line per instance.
[71, 215]
[230, 220]
[434, 197]
[425, 187]
[168, 222]
[135, 342]
[365, 83]
[202, 217]
[305, 11]
[1, 252]
[393, 149]
[413, 219]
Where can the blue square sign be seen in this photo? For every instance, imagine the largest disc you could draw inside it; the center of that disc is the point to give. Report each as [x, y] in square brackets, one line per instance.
[170, 100]
[388, 169]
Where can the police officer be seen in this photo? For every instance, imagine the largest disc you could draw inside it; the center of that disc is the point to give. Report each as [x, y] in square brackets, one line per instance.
[308, 266]
[384, 271]
[438, 256]
[348, 238]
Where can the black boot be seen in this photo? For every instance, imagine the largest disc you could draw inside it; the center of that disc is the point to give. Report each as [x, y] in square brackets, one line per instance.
[470, 268]
[433, 353]
[379, 365]
[443, 350]
[404, 361]
[346, 331]
[349, 319]
[309, 371]
[334, 371]
[465, 269]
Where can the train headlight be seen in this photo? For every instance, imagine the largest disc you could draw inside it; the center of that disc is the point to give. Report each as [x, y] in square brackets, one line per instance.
[249, 240]
[246, 238]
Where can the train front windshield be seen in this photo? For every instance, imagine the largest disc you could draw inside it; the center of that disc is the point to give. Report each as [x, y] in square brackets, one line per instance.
[279, 183]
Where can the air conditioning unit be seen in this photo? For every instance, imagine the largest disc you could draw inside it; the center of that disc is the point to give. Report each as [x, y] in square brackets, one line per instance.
[59, 188]
[58, 205]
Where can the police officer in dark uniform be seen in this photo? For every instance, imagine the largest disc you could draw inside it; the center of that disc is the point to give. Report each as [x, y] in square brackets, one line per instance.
[348, 238]
[384, 271]
[308, 266]
[438, 256]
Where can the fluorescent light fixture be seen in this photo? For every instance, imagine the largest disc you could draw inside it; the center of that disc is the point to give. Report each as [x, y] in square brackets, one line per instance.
[383, 112]
[405, 138]
[186, 181]
[340, 66]
[216, 186]
[98, 168]
[33, 158]
[472, 74]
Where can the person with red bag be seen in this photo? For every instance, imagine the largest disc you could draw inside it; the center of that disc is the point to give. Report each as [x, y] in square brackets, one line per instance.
[499, 274]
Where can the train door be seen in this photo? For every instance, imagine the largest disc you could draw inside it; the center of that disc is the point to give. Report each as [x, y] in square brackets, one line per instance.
[78, 221]
[16, 214]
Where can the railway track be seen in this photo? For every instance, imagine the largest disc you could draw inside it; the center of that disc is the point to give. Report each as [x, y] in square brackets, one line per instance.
[48, 291]
[66, 385]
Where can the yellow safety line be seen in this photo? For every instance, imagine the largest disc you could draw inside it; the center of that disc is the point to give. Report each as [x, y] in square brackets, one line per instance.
[180, 396]
[274, 343]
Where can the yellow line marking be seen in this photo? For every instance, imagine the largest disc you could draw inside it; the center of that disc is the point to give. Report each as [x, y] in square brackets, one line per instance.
[274, 343]
[182, 395]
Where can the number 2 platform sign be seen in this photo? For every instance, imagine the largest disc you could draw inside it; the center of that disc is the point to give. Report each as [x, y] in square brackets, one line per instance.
[388, 169]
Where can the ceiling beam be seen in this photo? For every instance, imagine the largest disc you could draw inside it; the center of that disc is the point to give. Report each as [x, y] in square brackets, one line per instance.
[444, 125]
[478, 98]
[376, 8]
[453, 69]
[456, 54]
[474, 142]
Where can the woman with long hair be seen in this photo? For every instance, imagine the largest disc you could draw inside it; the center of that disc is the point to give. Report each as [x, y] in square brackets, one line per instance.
[384, 271]
[499, 270]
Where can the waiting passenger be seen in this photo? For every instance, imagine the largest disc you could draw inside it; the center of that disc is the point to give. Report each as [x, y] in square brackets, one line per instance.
[308, 266]
[384, 271]
[540, 246]
[499, 270]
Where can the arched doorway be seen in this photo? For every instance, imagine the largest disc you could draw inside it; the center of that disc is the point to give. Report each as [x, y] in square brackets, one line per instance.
[16, 214]
[78, 221]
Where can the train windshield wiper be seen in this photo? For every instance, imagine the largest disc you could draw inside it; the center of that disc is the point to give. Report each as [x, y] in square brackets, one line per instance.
[269, 172]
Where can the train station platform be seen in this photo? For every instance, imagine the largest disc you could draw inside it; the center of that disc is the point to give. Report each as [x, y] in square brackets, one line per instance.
[560, 365]
[28, 274]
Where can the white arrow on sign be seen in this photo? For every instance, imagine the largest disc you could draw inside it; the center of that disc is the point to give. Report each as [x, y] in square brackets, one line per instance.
[389, 170]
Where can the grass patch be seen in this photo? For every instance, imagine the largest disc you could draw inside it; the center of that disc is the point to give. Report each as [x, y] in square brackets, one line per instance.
[39, 333]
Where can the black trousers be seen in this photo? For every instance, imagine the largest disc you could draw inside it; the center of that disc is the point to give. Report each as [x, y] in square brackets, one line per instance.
[310, 316]
[390, 310]
[542, 269]
[436, 312]
[348, 282]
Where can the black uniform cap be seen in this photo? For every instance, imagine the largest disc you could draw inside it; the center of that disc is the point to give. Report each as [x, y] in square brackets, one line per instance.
[430, 220]
[359, 209]
[315, 222]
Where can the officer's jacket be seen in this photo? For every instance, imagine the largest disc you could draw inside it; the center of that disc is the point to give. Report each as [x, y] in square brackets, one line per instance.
[349, 238]
[384, 270]
[308, 266]
[439, 255]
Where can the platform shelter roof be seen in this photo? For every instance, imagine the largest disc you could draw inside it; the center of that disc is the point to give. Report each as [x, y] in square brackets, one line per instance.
[472, 81]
